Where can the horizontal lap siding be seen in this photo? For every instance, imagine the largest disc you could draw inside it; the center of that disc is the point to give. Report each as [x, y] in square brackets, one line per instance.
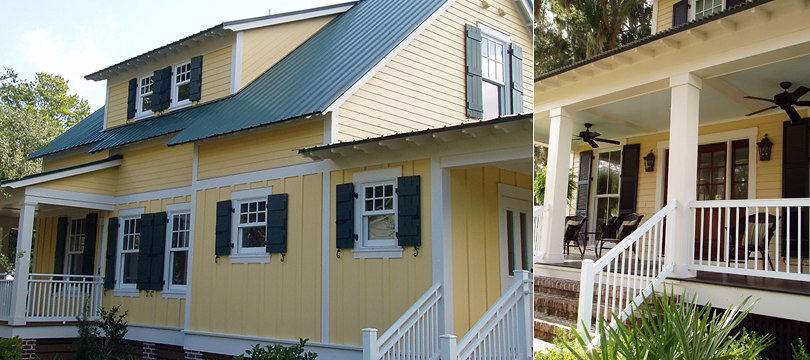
[155, 168]
[152, 310]
[277, 299]
[97, 182]
[216, 77]
[61, 162]
[423, 86]
[117, 104]
[375, 292]
[476, 240]
[264, 47]
[665, 14]
[266, 148]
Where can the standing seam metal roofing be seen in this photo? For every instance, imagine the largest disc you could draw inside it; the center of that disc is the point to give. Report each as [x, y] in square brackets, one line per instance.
[85, 132]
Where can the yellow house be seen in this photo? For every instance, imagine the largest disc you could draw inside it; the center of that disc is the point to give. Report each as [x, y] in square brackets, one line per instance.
[319, 174]
[701, 131]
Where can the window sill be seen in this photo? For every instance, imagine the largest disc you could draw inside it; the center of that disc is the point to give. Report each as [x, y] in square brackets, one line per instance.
[126, 292]
[173, 294]
[250, 258]
[380, 253]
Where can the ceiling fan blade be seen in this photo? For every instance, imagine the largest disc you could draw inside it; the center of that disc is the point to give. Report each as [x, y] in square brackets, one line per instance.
[592, 143]
[614, 142]
[799, 92]
[794, 115]
[803, 103]
[759, 98]
[759, 111]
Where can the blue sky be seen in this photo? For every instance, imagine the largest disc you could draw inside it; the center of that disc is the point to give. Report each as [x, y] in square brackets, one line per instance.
[76, 38]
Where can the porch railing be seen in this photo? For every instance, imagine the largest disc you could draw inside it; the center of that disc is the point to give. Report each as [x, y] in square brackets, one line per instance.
[626, 275]
[504, 332]
[415, 335]
[539, 213]
[6, 282]
[56, 297]
[758, 237]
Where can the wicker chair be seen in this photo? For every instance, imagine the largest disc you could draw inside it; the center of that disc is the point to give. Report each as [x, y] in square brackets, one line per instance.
[573, 227]
[616, 229]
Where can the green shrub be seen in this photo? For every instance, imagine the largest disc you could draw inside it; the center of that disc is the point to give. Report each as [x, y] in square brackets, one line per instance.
[11, 349]
[799, 353]
[103, 339]
[279, 352]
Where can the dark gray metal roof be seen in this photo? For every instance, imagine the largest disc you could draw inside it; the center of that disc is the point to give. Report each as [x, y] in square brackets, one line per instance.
[84, 132]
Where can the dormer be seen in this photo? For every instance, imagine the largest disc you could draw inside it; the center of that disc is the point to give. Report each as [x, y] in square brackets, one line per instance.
[673, 13]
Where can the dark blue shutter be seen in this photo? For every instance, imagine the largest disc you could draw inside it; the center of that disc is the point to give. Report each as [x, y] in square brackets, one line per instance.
[629, 178]
[475, 96]
[409, 225]
[584, 183]
[276, 231]
[61, 237]
[680, 13]
[161, 89]
[195, 87]
[112, 241]
[131, 98]
[223, 228]
[144, 249]
[89, 255]
[157, 251]
[516, 75]
[344, 216]
[795, 184]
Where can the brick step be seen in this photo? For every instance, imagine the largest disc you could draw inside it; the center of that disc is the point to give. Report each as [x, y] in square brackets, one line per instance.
[546, 326]
[558, 306]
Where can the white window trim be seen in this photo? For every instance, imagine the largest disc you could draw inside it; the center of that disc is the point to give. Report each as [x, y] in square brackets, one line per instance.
[504, 96]
[237, 197]
[693, 8]
[178, 104]
[140, 113]
[171, 211]
[123, 215]
[360, 179]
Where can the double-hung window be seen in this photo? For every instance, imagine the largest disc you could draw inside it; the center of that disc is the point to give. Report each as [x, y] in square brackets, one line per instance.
[75, 247]
[144, 102]
[178, 246]
[181, 84]
[251, 225]
[379, 221]
[129, 243]
[493, 73]
[705, 8]
[608, 177]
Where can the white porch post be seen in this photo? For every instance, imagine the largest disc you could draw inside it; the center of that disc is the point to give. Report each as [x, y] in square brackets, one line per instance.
[20, 285]
[442, 241]
[559, 156]
[683, 142]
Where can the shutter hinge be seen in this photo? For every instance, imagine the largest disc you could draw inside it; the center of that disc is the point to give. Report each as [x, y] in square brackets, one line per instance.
[233, 210]
[231, 245]
[356, 195]
[355, 237]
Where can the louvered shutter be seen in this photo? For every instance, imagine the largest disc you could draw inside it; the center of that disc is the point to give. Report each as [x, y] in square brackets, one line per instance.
[409, 225]
[276, 231]
[629, 178]
[344, 216]
[223, 228]
[61, 238]
[516, 75]
[161, 89]
[157, 251]
[796, 184]
[475, 96]
[112, 241]
[131, 98]
[195, 87]
[144, 251]
[89, 255]
[584, 182]
[680, 13]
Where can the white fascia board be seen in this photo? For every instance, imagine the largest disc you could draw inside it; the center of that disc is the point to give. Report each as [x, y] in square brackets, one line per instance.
[363, 80]
[62, 174]
[43, 195]
[526, 12]
[290, 18]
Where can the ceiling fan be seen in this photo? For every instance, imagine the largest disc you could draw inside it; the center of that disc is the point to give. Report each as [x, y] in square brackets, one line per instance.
[785, 100]
[591, 137]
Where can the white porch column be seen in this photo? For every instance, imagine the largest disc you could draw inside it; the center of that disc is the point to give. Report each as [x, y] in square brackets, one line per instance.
[559, 156]
[683, 143]
[23, 263]
[442, 241]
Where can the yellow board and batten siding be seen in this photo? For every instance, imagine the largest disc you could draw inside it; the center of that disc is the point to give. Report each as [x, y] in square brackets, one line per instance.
[375, 292]
[476, 240]
[44, 248]
[276, 299]
[424, 85]
[264, 47]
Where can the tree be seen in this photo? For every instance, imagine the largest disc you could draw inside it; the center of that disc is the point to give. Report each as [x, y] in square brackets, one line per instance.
[567, 31]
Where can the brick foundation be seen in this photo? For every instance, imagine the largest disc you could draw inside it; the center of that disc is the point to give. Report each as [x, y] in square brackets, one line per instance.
[194, 355]
[150, 351]
[29, 349]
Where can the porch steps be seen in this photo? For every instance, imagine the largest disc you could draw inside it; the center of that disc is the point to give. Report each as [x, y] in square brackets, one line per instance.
[555, 306]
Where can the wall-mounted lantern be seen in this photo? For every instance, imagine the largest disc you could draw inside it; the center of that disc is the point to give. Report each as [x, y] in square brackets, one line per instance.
[765, 145]
[649, 162]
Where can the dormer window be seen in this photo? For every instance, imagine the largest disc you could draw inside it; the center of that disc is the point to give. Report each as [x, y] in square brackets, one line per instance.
[181, 84]
[169, 87]
[493, 73]
[145, 95]
[704, 8]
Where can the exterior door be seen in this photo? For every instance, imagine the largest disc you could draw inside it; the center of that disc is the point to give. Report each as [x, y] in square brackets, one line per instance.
[515, 225]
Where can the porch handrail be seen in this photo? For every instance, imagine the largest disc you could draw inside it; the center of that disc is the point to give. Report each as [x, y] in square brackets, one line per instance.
[414, 335]
[504, 331]
[539, 213]
[5, 296]
[623, 281]
[62, 297]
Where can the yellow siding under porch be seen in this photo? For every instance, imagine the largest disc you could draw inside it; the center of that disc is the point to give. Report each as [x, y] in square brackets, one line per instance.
[277, 299]
[44, 247]
[375, 292]
[476, 240]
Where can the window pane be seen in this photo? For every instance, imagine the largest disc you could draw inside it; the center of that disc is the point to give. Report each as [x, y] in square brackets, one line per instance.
[75, 264]
[380, 227]
[491, 97]
[130, 268]
[510, 242]
[253, 236]
[183, 91]
[179, 267]
[146, 103]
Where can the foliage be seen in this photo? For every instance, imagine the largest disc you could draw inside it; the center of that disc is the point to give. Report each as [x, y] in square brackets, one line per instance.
[799, 353]
[540, 186]
[11, 349]
[558, 351]
[567, 31]
[103, 339]
[666, 329]
[279, 352]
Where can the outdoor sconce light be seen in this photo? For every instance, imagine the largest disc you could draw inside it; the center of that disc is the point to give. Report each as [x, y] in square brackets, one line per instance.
[649, 162]
[764, 147]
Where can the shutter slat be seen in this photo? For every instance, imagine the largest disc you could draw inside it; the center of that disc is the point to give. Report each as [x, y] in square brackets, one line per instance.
[276, 231]
[409, 224]
[161, 89]
[344, 216]
[144, 251]
[629, 178]
[131, 98]
[90, 234]
[223, 228]
[112, 241]
[516, 72]
[61, 239]
[475, 96]
[584, 182]
[680, 13]
[157, 251]
[796, 184]
[195, 86]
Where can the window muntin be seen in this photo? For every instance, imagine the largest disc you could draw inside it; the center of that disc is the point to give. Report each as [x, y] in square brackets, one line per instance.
[704, 8]
[181, 84]
[251, 225]
[608, 177]
[178, 247]
[74, 248]
[493, 73]
[144, 102]
[378, 214]
[129, 243]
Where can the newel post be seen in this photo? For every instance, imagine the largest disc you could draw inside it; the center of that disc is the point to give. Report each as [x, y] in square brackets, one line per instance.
[585, 308]
[447, 347]
[525, 314]
[370, 346]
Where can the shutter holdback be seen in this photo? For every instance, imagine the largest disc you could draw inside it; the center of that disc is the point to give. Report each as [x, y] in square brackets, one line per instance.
[337, 254]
